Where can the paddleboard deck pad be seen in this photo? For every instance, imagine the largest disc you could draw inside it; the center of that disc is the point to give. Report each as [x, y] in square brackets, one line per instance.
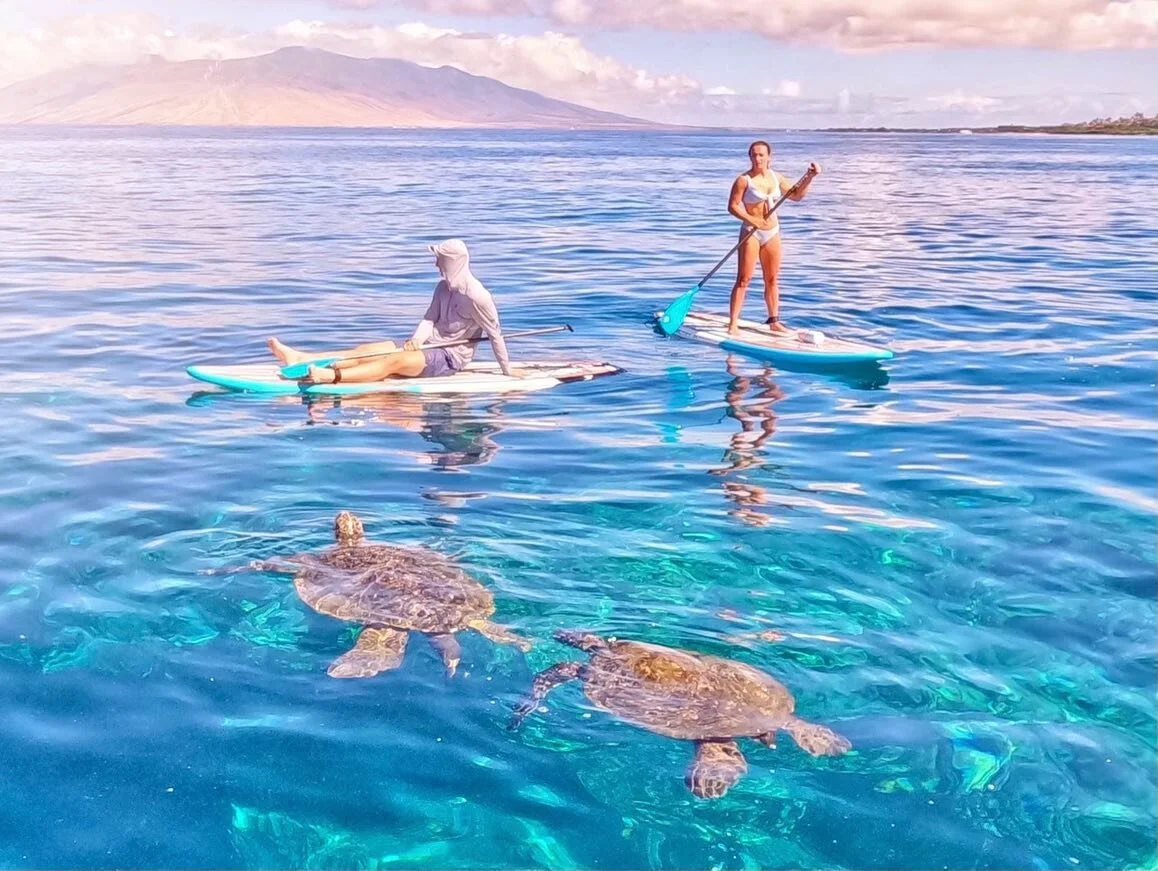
[477, 377]
[754, 340]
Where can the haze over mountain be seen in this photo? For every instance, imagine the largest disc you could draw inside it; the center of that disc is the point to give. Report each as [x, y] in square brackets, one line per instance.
[291, 87]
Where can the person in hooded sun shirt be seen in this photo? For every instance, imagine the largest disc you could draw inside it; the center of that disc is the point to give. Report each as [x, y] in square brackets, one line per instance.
[462, 308]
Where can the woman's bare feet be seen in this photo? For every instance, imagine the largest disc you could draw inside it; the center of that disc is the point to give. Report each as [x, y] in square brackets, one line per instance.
[286, 355]
[320, 375]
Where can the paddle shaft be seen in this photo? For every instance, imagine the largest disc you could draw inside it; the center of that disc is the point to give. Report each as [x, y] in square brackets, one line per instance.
[744, 236]
[457, 343]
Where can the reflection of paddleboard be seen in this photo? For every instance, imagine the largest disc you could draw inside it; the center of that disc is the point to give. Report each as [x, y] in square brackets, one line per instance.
[754, 340]
[475, 378]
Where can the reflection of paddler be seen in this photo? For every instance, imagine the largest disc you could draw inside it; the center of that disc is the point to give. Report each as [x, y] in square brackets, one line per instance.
[462, 433]
[757, 423]
[756, 417]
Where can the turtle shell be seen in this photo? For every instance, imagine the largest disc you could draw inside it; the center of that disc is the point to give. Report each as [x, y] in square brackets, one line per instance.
[685, 695]
[405, 588]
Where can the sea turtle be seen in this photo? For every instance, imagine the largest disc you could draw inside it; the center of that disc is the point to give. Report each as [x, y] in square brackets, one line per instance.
[680, 694]
[391, 591]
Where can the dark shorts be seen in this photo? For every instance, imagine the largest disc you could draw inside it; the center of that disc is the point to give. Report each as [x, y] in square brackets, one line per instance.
[438, 363]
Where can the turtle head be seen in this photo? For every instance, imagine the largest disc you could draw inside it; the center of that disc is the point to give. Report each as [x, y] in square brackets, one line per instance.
[348, 529]
[588, 642]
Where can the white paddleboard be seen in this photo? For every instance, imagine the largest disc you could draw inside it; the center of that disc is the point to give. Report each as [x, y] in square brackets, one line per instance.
[754, 340]
[477, 377]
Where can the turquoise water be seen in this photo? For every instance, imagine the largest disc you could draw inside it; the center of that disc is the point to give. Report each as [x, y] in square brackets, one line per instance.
[957, 549]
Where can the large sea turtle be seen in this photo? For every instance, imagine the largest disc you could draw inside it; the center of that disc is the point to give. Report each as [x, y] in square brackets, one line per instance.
[705, 699]
[391, 591]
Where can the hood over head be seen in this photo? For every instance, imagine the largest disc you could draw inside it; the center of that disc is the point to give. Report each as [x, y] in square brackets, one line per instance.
[454, 263]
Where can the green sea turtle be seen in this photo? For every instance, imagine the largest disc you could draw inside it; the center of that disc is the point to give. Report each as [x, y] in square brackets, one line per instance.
[391, 591]
[680, 694]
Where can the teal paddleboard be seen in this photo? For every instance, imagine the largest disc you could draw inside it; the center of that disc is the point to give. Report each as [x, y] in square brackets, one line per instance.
[754, 340]
[475, 378]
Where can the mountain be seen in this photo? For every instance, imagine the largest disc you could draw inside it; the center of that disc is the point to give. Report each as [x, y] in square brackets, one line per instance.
[291, 87]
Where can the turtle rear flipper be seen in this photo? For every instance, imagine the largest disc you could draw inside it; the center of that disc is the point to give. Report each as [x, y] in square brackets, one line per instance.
[377, 650]
[815, 739]
[716, 768]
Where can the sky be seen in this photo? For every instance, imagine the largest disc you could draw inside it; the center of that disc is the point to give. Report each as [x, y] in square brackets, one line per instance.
[772, 64]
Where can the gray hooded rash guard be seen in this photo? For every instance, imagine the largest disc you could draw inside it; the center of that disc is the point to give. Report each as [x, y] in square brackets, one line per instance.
[462, 308]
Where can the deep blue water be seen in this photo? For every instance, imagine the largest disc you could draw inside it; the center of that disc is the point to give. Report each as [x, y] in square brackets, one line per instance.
[958, 548]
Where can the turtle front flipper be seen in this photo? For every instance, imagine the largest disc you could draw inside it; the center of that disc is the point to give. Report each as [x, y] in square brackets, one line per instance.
[378, 649]
[499, 634]
[815, 739]
[716, 768]
[545, 681]
[450, 651]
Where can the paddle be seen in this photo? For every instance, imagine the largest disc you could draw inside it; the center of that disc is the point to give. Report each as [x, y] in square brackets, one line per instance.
[299, 370]
[673, 316]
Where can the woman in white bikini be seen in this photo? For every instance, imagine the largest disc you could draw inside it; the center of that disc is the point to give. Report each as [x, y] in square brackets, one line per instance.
[753, 194]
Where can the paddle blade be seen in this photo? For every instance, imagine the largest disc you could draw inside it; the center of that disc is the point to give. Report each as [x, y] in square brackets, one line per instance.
[299, 370]
[673, 316]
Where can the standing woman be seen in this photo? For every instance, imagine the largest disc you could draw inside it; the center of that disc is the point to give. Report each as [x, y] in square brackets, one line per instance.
[753, 194]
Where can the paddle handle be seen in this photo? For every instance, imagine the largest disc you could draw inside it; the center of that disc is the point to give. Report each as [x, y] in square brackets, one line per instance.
[297, 370]
[744, 236]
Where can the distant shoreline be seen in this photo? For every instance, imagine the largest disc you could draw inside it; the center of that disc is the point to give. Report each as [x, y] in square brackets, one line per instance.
[1138, 125]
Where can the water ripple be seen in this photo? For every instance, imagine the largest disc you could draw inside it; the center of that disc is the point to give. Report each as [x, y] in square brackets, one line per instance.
[949, 559]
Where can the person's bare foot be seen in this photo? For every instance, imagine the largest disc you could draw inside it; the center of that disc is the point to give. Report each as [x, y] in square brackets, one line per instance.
[286, 355]
[319, 375]
[733, 329]
[777, 327]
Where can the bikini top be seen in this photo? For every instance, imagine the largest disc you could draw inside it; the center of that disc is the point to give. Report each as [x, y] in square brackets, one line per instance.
[753, 196]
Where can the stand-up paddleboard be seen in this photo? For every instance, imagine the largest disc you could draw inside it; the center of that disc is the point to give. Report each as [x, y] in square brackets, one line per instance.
[475, 378]
[754, 340]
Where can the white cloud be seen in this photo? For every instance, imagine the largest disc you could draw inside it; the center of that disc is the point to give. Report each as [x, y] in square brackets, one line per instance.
[551, 63]
[853, 25]
[960, 100]
[720, 91]
[114, 40]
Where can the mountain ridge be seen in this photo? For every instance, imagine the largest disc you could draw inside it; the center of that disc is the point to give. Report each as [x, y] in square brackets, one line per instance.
[291, 87]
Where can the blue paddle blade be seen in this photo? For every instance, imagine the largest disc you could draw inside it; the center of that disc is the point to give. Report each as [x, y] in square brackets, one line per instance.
[299, 370]
[673, 316]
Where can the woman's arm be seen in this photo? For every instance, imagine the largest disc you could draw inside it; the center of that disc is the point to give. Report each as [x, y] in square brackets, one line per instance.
[802, 188]
[737, 208]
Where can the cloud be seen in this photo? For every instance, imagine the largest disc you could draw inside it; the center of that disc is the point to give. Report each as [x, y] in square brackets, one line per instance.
[116, 39]
[960, 100]
[851, 25]
[551, 63]
[786, 88]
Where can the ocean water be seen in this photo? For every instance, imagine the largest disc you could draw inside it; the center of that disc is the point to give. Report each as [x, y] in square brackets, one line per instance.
[955, 551]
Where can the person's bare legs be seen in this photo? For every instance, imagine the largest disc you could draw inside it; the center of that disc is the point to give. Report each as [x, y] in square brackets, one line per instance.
[405, 364]
[746, 266]
[288, 356]
[770, 266]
